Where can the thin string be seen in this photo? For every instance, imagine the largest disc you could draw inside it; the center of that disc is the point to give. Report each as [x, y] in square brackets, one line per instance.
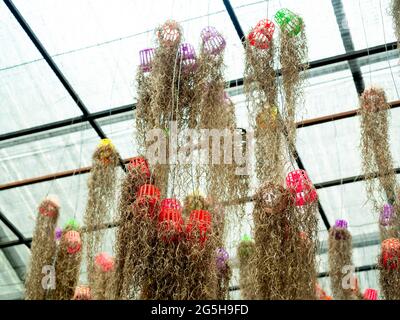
[386, 51]
[79, 177]
[366, 42]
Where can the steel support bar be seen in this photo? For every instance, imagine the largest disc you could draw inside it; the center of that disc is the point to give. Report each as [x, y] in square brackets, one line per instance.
[348, 44]
[230, 84]
[14, 230]
[49, 60]
[67, 122]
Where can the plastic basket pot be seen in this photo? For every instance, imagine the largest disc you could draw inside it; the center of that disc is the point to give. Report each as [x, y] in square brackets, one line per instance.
[148, 196]
[221, 259]
[49, 206]
[146, 58]
[341, 224]
[170, 203]
[104, 261]
[391, 253]
[213, 42]
[340, 230]
[289, 22]
[370, 294]
[261, 35]
[106, 149]
[82, 293]
[199, 223]
[301, 188]
[386, 216]
[140, 164]
[187, 56]
[73, 241]
[373, 100]
[170, 224]
[169, 34]
[274, 198]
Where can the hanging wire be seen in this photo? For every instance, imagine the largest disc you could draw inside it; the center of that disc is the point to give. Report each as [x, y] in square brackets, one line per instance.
[366, 42]
[386, 51]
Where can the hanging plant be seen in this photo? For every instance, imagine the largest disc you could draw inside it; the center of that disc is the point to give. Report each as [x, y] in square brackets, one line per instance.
[245, 253]
[340, 255]
[67, 265]
[100, 203]
[43, 247]
[293, 56]
[389, 269]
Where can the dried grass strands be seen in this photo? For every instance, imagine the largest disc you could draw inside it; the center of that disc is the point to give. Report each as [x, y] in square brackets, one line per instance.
[163, 83]
[389, 269]
[135, 178]
[201, 274]
[301, 240]
[271, 219]
[395, 12]
[293, 54]
[67, 265]
[340, 255]
[245, 253]
[102, 280]
[43, 247]
[101, 194]
[299, 250]
[260, 87]
[217, 113]
[140, 247]
[183, 265]
[143, 115]
[375, 149]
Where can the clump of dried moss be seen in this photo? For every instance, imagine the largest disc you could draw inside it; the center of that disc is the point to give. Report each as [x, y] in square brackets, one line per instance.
[67, 264]
[340, 255]
[101, 195]
[43, 248]
[377, 161]
[245, 254]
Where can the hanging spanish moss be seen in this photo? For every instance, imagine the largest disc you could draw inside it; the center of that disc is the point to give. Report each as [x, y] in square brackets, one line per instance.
[285, 233]
[101, 194]
[43, 247]
[102, 278]
[293, 54]
[395, 12]
[163, 81]
[138, 174]
[340, 255]
[82, 292]
[68, 262]
[301, 245]
[217, 114]
[271, 222]
[375, 149]
[135, 240]
[224, 274]
[183, 265]
[245, 253]
[143, 115]
[389, 269]
[260, 87]
[201, 276]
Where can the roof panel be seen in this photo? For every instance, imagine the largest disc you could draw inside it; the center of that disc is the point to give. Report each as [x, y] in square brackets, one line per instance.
[31, 95]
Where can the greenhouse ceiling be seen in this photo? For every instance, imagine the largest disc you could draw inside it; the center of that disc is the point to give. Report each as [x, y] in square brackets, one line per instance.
[67, 79]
